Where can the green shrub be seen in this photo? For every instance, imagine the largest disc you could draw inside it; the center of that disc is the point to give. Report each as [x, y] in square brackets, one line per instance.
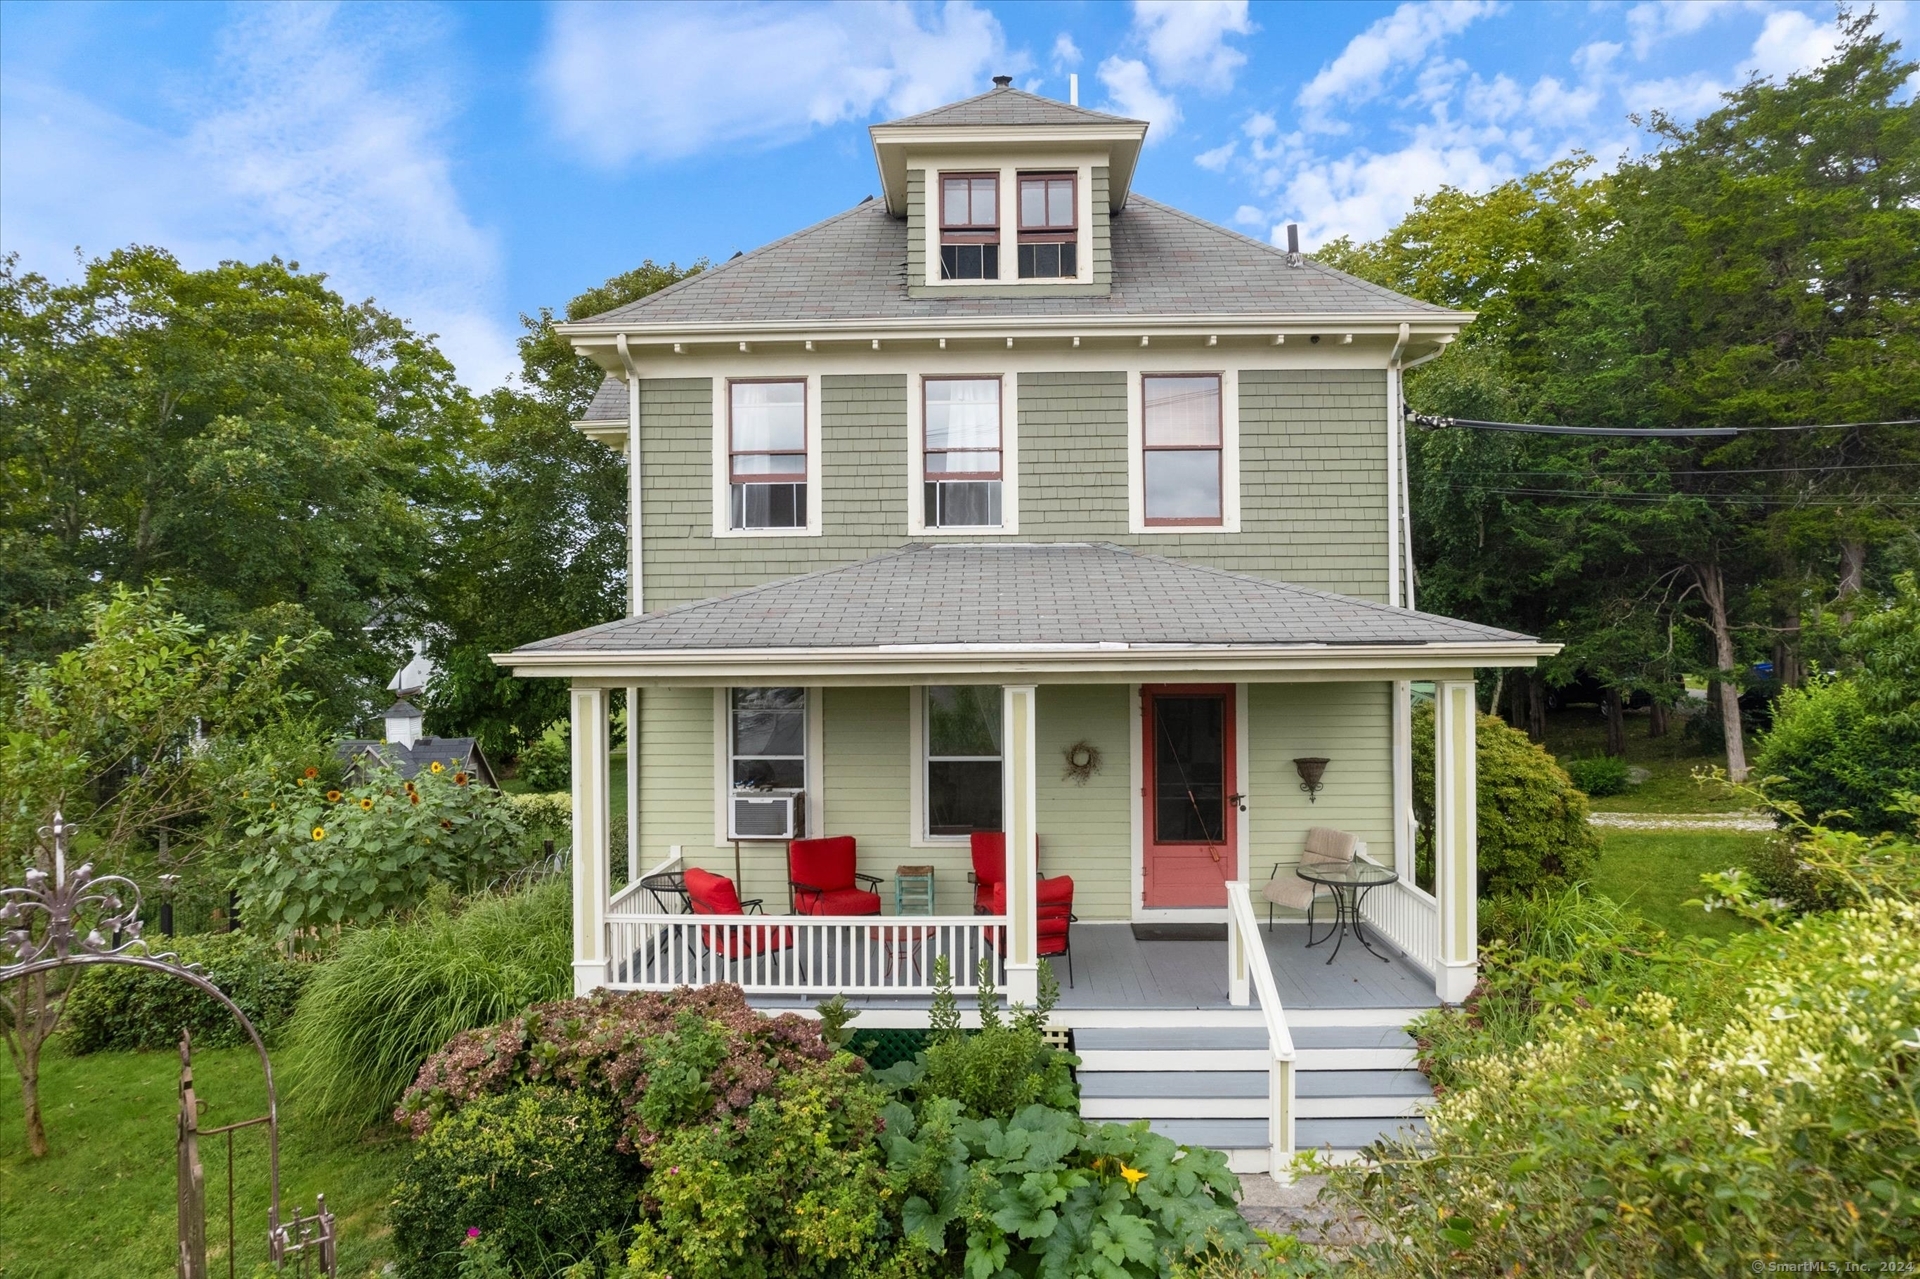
[1533, 822]
[138, 1010]
[791, 1185]
[996, 1070]
[1656, 1136]
[1045, 1192]
[329, 856]
[1600, 776]
[695, 1055]
[393, 994]
[1836, 759]
[535, 1171]
[547, 762]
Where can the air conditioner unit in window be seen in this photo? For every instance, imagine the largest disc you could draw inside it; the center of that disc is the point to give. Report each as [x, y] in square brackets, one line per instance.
[766, 814]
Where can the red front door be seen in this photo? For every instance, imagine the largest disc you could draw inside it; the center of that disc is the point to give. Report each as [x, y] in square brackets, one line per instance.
[1191, 838]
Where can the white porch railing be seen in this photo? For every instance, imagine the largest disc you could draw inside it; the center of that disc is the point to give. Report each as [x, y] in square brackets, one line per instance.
[801, 954]
[1408, 917]
[634, 898]
[1250, 975]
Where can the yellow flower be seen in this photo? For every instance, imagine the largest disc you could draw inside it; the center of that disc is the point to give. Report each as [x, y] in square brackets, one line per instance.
[437, 766]
[333, 797]
[1133, 1175]
[299, 781]
[367, 804]
[319, 832]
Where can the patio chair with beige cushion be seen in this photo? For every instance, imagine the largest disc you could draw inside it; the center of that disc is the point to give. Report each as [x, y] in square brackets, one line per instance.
[1325, 846]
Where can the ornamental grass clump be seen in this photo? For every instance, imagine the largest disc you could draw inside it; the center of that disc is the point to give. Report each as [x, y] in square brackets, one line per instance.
[691, 1055]
[390, 996]
[1660, 1137]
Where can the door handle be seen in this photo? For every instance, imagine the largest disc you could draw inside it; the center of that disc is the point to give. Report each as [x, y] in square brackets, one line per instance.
[1238, 801]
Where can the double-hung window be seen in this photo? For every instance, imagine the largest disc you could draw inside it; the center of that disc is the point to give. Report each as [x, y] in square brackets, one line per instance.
[963, 452]
[1184, 465]
[969, 226]
[963, 759]
[767, 454]
[1048, 226]
[767, 738]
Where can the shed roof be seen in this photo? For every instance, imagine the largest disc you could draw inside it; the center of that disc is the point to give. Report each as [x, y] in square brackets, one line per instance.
[1034, 594]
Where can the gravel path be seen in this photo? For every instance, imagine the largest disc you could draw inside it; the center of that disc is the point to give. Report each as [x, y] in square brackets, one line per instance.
[1682, 821]
[1299, 1210]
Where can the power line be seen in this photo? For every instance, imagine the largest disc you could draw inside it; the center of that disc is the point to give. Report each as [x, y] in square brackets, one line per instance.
[1740, 498]
[1433, 422]
[1732, 470]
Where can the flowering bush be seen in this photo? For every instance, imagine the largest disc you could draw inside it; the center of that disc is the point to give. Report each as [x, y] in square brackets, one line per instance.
[692, 1055]
[348, 855]
[1657, 1136]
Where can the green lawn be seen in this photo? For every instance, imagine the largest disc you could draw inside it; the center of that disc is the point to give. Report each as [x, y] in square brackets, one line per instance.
[102, 1203]
[1654, 871]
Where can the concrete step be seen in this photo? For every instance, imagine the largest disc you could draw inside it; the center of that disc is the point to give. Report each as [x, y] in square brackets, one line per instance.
[1347, 1135]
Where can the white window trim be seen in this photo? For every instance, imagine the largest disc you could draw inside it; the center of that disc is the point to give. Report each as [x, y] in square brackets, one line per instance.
[917, 836]
[1229, 451]
[1009, 457]
[722, 463]
[1010, 219]
[815, 765]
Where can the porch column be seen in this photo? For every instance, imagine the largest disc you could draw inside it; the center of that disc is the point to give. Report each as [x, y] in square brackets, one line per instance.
[633, 783]
[1401, 692]
[1020, 813]
[590, 796]
[1455, 839]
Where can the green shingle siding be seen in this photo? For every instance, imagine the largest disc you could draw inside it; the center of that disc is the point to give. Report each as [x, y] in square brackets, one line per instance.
[1102, 229]
[916, 224]
[1312, 480]
[1086, 828]
[1351, 725]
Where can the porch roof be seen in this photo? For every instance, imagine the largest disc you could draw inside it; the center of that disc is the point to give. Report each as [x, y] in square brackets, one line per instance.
[1037, 607]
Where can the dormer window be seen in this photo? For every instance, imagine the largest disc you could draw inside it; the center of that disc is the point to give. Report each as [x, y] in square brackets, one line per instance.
[1049, 226]
[969, 226]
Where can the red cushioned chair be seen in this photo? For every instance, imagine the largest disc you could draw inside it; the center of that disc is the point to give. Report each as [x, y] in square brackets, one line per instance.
[1053, 915]
[822, 879]
[989, 868]
[710, 894]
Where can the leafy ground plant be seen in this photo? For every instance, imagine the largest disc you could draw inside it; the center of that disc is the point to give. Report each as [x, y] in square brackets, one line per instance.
[393, 994]
[133, 1009]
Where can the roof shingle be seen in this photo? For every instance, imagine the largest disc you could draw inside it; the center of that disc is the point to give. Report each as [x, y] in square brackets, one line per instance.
[1072, 593]
[853, 266]
[1008, 106]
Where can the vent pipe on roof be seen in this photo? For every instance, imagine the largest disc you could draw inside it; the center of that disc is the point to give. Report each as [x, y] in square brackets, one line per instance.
[1003, 82]
[1073, 89]
[1293, 244]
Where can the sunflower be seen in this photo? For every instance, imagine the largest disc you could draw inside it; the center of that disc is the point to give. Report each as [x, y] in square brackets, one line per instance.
[319, 833]
[413, 796]
[445, 824]
[437, 767]
[299, 781]
[312, 772]
[333, 797]
[367, 804]
[459, 779]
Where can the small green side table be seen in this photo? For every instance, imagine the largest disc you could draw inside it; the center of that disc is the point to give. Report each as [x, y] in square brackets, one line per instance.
[913, 890]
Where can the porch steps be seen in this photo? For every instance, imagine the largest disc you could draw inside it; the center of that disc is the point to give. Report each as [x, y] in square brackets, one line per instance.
[1207, 1085]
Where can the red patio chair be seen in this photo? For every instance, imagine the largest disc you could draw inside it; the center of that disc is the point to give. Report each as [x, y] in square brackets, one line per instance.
[989, 868]
[710, 894]
[1053, 916]
[822, 879]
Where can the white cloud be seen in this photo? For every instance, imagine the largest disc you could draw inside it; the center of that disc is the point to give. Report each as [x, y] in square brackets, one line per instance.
[1248, 215]
[1186, 40]
[1371, 59]
[1791, 41]
[1660, 20]
[1066, 54]
[663, 82]
[1215, 161]
[318, 140]
[1595, 58]
[1362, 195]
[1130, 86]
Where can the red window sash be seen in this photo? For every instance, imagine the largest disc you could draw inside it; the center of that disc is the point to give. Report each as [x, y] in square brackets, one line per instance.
[734, 476]
[1219, 452]
[999, 436]
[1050, 234]
[970, 232]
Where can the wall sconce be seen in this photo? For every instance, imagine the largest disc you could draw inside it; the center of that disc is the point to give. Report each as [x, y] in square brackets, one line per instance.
[1311, 770]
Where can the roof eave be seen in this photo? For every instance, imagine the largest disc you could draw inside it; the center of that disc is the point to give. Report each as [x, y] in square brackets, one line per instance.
[1095, 663]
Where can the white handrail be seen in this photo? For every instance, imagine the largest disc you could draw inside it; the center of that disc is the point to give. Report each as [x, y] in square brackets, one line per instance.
[1408, 917]
[1249, 974]
[620, 901]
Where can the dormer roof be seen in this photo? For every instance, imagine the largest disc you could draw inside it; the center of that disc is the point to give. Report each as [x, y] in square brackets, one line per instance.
[1012, 120]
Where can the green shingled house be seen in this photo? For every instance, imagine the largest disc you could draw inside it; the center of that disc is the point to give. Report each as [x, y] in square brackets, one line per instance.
[1015, 503]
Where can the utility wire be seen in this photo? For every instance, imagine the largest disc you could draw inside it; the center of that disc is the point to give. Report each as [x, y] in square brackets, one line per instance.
[1732, 470]
[1432, 422]
[1738, 498]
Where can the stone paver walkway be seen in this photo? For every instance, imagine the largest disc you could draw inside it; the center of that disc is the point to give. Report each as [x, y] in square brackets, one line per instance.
[1300, 1210]
[1682, 821]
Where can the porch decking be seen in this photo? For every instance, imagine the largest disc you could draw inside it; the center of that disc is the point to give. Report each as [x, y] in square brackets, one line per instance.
[1115, 972]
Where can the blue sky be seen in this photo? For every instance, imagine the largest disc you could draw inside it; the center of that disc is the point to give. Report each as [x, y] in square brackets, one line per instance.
[463, 164]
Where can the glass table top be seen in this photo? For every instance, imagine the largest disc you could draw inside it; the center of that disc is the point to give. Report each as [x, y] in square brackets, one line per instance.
[1355, 874]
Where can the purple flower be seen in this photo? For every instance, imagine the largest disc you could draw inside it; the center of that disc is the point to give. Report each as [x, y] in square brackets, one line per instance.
[473, 1232]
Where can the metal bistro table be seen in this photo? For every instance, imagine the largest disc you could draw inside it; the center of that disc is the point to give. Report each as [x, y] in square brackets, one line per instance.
[1350, 882]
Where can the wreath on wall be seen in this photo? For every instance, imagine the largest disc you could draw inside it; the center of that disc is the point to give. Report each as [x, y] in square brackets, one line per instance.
[1083, 761]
